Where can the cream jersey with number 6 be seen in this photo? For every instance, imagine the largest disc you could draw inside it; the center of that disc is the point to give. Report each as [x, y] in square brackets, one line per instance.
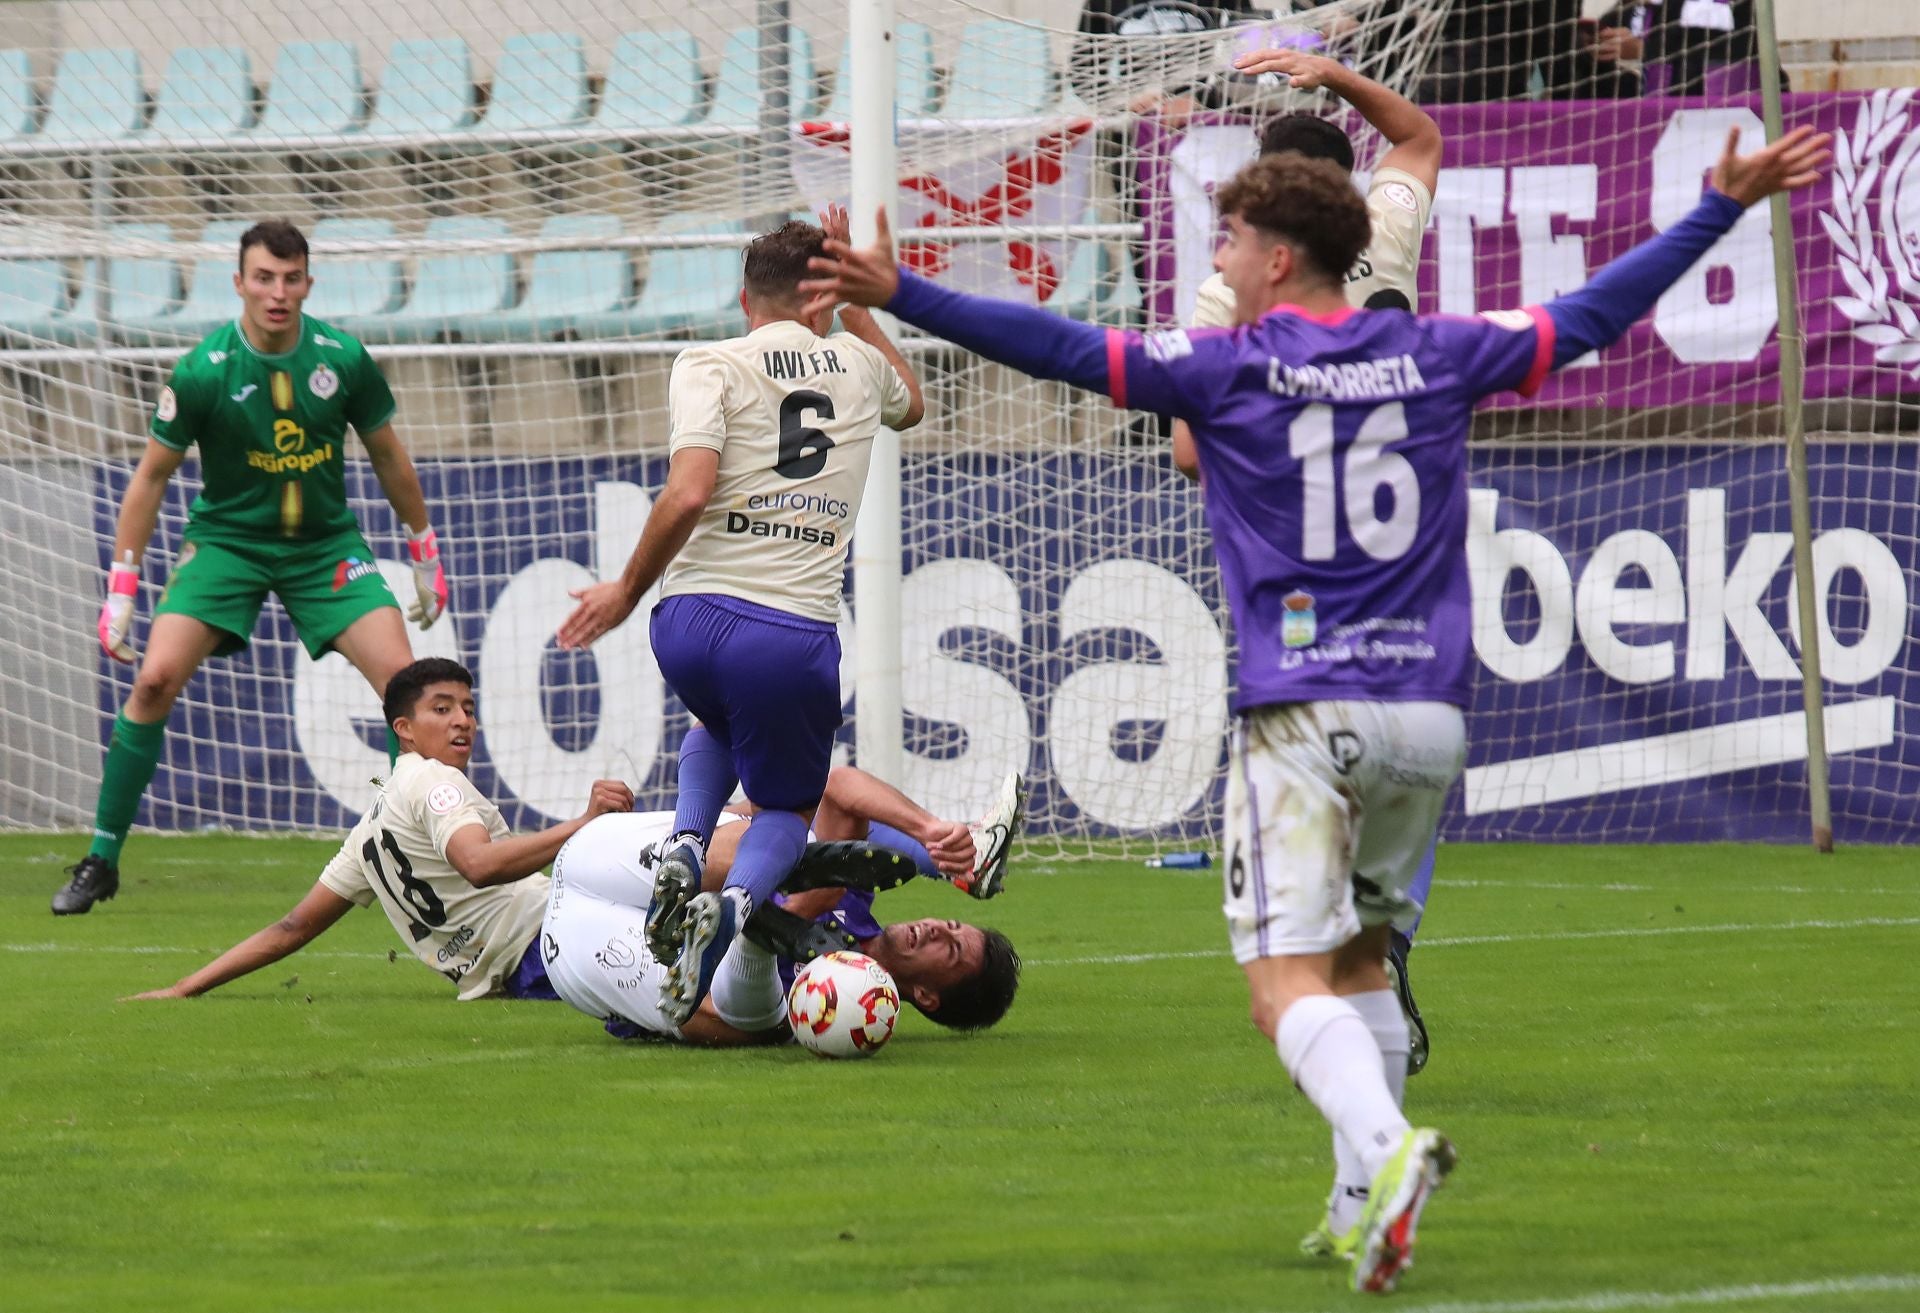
[1389, 269]
[793, 417]
[398, 855]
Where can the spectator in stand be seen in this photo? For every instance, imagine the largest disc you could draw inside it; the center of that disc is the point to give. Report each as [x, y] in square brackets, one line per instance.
[1701, 48]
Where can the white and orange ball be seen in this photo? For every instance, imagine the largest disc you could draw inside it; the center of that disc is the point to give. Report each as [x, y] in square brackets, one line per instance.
[843, 1005]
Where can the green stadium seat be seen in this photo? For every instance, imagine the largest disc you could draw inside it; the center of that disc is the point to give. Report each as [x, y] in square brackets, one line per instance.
[690, 291]
[737, 94]
[317, 91]
[914, 86]
[565, 287]
[207, 93]
[355, 291]
[450, 286]
[1004, 70]
[17, 104]
[33, 300]
[427, 88]
[211, 300]
[539, 83]
[96, 96]
[143, 292]
[653, 81]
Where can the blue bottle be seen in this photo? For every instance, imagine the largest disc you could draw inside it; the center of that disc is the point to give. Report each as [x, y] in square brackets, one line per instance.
[1189, 861]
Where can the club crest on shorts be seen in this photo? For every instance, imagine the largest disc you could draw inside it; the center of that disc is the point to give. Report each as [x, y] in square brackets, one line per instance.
[323, 382]
[1298, 625]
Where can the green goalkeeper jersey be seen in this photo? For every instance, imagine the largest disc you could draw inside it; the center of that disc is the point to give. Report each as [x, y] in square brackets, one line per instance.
[272, 430]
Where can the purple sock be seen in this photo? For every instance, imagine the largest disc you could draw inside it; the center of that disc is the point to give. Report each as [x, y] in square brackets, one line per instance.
[1422, 885]
[706, 782]
[768, 852]
[894, 841]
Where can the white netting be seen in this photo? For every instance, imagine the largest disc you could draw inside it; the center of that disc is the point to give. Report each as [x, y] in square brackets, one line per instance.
[527, 209]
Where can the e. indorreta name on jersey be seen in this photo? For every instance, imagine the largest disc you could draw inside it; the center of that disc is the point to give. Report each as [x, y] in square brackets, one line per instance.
[793, 417]
[398, 855]
[1388, 274]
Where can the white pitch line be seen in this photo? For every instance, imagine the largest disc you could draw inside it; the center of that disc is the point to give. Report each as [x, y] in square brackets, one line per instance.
[1545, 936]
[1613, 1301]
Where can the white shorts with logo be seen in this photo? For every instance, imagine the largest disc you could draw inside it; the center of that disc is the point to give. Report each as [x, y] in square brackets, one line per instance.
[594, 940]
[1330, 808]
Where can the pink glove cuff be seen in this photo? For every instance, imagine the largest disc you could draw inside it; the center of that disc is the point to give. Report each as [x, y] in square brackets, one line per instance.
[424, 548]
[124, 580]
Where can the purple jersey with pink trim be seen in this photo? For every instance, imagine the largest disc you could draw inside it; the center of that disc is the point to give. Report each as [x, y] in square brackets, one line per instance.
[1333, 454]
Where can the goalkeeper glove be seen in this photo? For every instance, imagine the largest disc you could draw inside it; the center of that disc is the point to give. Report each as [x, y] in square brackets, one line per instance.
[429, 580]
[116, 613]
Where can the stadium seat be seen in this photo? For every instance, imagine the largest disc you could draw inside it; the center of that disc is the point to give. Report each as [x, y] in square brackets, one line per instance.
[211, 300]
[17, 105]
[355, 291]
[540, 82]
[316, 91]
[1004, 70]
[143, 292]
[427, 88]
[914, 88]
[96, 96]
[449, 286]
[207, 92]
[33, 299]
[653, 81]
[565, 287]
[690, 291]
[737, 94]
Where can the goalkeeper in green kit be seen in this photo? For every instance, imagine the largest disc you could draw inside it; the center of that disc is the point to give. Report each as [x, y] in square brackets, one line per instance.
[268, 398]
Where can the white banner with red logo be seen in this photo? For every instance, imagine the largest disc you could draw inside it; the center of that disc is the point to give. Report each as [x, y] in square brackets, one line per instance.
[959, 178]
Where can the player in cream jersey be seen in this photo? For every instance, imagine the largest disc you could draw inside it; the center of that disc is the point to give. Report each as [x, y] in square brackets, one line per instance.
[771, 435]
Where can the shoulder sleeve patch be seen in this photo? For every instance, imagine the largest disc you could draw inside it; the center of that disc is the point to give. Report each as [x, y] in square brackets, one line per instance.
[1401, 195]
[1518, 321]
[443, 799]
[169, 406]
[1168, 345]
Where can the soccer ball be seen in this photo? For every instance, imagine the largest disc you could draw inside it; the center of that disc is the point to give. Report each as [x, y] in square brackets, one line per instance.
[843, 1005]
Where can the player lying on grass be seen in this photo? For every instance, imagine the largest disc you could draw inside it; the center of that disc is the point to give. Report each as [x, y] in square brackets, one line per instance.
[465, 896]
[771, 435]
[1385, 277]
[1334, 447]
[268, 399]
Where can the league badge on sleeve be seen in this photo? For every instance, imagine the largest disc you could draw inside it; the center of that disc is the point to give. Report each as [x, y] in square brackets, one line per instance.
[169, 406]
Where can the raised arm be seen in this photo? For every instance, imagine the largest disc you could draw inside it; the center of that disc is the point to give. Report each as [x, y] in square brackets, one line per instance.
[1614, 298]
[309, 919]
[1414, 140]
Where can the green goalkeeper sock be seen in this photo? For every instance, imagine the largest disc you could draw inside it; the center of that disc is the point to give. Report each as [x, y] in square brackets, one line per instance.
[132, 755]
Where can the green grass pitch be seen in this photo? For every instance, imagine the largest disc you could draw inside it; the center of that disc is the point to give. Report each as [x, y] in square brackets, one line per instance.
[1678, 1077]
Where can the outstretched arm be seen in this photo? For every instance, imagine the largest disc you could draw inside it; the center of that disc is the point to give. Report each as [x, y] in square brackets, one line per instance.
[1596, 315]
[1414, 140]
[854, 798]
[482, 860]
[310, 918]
[691, 475]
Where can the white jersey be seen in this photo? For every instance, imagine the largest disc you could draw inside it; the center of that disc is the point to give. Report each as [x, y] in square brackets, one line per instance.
[398, 855]
[1389, 269]
[793, 417]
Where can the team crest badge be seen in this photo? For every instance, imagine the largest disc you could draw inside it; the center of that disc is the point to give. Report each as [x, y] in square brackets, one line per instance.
[323, 382]
[1883, 148]
[169, 406]
[1298, 625]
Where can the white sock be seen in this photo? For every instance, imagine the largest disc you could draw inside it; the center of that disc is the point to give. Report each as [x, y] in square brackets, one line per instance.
[746, 989]
[1381, 1011]
[1332, 1057]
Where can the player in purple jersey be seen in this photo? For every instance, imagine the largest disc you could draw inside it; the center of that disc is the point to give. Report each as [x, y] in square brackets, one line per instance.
[1333, 445]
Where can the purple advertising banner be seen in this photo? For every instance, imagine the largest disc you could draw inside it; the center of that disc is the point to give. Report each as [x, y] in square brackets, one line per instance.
[1537, 195]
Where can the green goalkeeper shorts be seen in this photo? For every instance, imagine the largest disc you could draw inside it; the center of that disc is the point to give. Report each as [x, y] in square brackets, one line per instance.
[325, 585]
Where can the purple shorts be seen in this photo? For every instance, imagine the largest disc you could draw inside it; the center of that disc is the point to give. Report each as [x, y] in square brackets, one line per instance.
[763, 682]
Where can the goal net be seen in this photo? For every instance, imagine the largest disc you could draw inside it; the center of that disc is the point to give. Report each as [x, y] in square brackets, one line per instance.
[526, 211]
